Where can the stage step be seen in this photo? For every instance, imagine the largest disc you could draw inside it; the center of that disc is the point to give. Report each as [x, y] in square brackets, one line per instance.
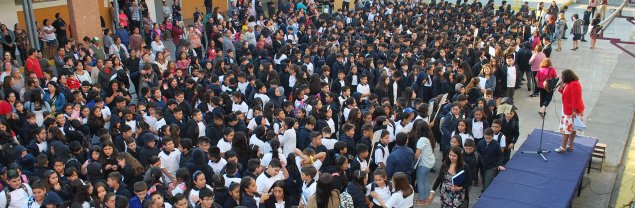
[600, 153]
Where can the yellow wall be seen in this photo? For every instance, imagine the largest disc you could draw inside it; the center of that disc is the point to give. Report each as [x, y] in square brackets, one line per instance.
[47, 13]
[188, 7]
[106, 13]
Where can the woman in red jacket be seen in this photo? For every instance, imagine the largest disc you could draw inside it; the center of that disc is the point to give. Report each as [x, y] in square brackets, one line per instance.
[572, 107]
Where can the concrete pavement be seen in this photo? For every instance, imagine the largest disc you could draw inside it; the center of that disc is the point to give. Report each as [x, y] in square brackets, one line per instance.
[607, 78]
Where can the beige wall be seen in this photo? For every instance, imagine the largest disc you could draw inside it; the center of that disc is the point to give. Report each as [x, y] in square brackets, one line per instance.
[9, 13]
[83, 18]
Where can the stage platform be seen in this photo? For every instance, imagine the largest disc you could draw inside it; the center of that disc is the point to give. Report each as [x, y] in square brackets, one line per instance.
[529, 181]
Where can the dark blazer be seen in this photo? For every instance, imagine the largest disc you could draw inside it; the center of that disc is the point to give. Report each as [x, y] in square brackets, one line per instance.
[191, 130]
[358, 193]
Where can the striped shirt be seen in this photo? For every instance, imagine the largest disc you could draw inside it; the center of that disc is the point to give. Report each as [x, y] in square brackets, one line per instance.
[577, 26]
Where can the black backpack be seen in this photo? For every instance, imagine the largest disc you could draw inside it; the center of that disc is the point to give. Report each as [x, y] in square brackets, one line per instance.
[7, 193]
[371, 163]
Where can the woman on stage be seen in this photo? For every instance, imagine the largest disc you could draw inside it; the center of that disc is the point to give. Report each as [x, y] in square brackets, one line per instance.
[572, 107]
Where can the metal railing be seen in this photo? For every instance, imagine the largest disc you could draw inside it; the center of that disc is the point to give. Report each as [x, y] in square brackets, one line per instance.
[618, 12]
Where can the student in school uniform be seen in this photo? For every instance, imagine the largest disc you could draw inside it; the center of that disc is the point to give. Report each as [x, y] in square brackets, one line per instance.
[380, 190]
[360, 162]
[308, 174]
[511, 129]
[492, 157]
[403, 195]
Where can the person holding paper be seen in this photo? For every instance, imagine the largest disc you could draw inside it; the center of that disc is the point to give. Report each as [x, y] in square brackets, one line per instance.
[452, 194]
[572, 109]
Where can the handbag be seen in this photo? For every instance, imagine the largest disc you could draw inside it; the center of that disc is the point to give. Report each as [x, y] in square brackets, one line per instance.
[578, 124]
[551, 83]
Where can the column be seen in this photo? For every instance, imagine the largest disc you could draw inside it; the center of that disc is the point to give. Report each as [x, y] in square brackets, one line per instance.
[84, 18]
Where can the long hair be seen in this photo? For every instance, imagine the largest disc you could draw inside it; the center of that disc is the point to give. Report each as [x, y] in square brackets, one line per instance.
[244, 184]
[240, 144]
[400, 181]
[359, 178]
[459, 160]
[137, 168]
[323, 190]
[569, 76]
[423, 130]
[275, 144]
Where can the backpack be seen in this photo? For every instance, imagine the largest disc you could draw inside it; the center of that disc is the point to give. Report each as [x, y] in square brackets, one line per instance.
[346, 200]
[7, 193]
[371, 162]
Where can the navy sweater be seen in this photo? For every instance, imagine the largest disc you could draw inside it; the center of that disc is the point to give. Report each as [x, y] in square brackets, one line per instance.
[490, 153]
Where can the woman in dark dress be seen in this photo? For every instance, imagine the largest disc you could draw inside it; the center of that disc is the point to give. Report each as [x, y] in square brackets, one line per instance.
[8, 40]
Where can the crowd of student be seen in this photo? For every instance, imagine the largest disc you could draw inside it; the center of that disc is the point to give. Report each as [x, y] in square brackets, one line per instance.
[301, 108]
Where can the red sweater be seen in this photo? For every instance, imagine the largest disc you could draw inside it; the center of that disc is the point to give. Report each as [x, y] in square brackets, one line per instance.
[33, 66]
[572, 98]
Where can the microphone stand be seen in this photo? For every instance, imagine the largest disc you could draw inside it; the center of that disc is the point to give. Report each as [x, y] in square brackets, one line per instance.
[540, 151]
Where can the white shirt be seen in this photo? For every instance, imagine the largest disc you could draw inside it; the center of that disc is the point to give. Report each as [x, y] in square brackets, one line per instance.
[160, 123]
[84, 77]
[266, 159]
[224, 146]
[383, 192]
[331, 124]
[426, 159]
[364, 89]
[395, 87]
[399, 128]
[201, 128]
[511, 76]
[464, 137]
[502, 141]
[217, 167]
[48, 36]
[242, 107]
[254, 140]
[228, 180]
[397, 200]
[288, 141]
[307, 191]
[328, 143]
[363, 165]
[292, 81]
[194, 192]
[19, 197]
[42, 146]
[264, 183]
[265, 99]
[170, 162]
[354, 80]
[477, 129]
[133, 125]
[381, 156]
[345, 113]
[243, 86]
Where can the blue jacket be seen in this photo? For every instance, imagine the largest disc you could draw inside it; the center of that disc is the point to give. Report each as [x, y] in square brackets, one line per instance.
[136, 203]
[401, 159]
[60, 100]
[123, 34]
[490, 153]
[350, 144]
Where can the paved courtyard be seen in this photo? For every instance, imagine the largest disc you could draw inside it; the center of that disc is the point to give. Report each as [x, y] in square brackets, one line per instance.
[608, 83]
